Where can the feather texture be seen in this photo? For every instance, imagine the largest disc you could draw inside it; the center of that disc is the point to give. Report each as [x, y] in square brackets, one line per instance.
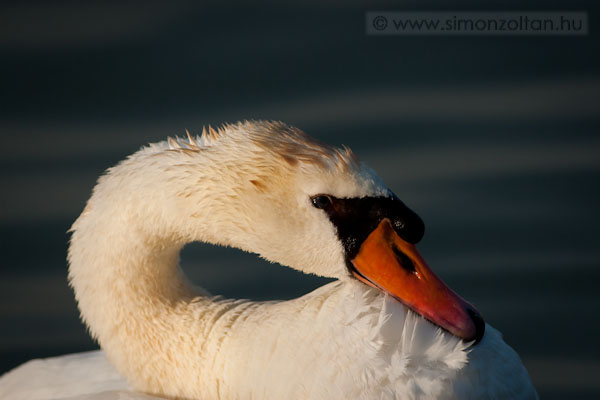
[249, 185]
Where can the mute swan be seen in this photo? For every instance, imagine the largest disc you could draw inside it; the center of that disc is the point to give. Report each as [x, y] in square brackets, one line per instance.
[268, 188]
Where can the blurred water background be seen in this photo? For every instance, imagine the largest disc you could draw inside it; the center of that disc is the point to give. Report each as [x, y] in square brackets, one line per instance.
[494, 141]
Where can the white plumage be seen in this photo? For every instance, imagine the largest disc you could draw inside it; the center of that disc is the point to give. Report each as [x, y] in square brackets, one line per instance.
[248, 186]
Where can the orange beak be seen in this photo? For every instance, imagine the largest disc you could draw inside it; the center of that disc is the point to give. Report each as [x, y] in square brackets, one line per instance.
[391, 264]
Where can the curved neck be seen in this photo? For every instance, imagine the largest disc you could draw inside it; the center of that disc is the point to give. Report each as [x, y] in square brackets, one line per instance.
[136, 301]
[165, 336]
[128, 287]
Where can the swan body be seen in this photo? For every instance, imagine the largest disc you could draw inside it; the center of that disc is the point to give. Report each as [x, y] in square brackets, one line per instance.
[250, 186]
[79, 376]
[390, 344]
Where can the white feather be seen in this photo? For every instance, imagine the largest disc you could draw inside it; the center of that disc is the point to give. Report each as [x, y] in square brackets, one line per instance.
[248, 186]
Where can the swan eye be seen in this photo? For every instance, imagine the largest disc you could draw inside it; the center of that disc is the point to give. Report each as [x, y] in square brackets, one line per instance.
[321, 201]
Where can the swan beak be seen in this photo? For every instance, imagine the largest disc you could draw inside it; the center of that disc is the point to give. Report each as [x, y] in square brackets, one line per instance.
[391, 264]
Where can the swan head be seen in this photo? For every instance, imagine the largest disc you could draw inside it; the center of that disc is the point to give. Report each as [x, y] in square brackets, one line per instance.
[268, 188]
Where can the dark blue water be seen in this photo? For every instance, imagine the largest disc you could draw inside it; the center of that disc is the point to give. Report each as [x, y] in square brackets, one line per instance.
[494, 141]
